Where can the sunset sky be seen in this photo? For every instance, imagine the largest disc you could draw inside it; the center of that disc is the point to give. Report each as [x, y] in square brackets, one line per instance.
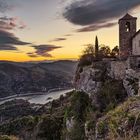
[35, 30]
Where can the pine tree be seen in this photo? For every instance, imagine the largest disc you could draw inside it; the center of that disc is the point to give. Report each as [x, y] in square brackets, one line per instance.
[96, 47]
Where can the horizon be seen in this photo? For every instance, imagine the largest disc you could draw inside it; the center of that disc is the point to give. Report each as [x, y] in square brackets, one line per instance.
[40, 61]
[57, 30]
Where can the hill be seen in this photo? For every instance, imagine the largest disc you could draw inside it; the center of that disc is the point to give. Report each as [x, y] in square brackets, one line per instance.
[19, 78]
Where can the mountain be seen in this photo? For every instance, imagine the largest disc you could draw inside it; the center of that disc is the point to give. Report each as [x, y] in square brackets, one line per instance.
[19, 78]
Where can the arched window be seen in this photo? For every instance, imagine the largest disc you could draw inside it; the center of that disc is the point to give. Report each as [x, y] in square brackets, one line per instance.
[127, 26]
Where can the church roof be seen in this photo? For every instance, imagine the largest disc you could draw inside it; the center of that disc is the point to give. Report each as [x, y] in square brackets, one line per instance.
[127, 17]
[138, 32]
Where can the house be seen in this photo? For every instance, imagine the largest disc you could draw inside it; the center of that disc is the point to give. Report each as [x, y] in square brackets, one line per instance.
[136, 44]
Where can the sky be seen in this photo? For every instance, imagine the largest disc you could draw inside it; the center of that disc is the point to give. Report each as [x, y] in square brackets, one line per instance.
[38, 30]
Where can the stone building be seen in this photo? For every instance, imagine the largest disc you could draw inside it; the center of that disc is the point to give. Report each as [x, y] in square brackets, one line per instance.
[127, 29]
[136, 44]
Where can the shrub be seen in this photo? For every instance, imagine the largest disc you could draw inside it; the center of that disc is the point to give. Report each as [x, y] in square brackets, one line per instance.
[111, 93]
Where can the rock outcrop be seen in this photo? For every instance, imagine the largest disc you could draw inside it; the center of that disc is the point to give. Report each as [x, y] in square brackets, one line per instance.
[90, 78]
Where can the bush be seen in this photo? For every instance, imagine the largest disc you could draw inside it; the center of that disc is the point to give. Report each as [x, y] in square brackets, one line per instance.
[80, 103]
[86, 60]
[51, 128]
[112, 93]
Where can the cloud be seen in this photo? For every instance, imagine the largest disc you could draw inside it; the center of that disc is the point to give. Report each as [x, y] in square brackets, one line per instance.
[6, 5]
[43, 50]
[32, 54]
[9, 38]
[96, 27]
[7, 47]
[93, 12]
[8, 41]
[7, 23]
[58, 39]
[68, 35]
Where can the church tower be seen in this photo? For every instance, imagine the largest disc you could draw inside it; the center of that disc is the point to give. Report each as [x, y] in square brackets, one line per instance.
[127, 29]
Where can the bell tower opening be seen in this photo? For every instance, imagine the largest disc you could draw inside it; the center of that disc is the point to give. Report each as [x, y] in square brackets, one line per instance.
[127, 26]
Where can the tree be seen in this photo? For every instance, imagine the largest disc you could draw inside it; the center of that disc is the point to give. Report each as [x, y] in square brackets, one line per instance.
[96, 47]
[115, 51]
[89, 50]
[87, 56]
[104, 51]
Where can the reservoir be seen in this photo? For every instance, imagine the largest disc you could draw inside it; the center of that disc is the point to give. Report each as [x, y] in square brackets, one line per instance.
[39, 98]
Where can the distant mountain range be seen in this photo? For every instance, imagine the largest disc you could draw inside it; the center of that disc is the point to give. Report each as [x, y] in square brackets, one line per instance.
[20, 78]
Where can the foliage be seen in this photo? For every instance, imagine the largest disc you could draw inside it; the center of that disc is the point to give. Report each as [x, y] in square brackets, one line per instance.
[104, 51]
[89, 50]
[50, 128]
[134, 83]
[91, 53]
[5, 137]
[80, 103]
[115, 51]
[16, 126]
[77, 132]
[85, 60]
[111, 93]
[96, 47]
[123, 122]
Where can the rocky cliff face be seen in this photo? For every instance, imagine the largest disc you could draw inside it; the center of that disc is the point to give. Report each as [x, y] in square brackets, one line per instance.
[90, 78]
[108, 82]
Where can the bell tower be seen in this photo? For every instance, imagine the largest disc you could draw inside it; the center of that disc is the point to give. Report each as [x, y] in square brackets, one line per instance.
[127, 29]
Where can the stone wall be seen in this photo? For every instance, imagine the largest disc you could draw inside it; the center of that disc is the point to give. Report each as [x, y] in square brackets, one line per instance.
[125, 36]
[136, 45]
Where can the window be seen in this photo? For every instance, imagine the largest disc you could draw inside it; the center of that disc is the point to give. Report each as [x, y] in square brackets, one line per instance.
[138, 64]
[127, 26]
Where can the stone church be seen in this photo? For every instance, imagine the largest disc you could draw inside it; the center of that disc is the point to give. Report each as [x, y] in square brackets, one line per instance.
[129, 40]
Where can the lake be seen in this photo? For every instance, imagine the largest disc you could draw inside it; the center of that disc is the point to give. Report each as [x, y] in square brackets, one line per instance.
[40, 99]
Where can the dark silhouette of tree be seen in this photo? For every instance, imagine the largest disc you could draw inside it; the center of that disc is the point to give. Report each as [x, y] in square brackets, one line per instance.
[115, 51]
[96, 47]
[89, 50]
[104, 51]
[87, 56]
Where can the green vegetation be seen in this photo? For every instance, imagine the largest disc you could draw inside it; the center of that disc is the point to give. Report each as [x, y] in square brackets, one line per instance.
[4, 137]
[134, 83]
[77, 132]
[80, 103]
[78, 109]
[123, 122]
[15, 127]
[106, 120]
[51, 128]
[111, 94]
[97, 53]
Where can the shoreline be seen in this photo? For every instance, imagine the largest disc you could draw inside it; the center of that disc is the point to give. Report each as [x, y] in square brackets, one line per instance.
[31, 94]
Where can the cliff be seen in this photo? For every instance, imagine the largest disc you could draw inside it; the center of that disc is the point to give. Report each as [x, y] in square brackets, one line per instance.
[91, 78]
